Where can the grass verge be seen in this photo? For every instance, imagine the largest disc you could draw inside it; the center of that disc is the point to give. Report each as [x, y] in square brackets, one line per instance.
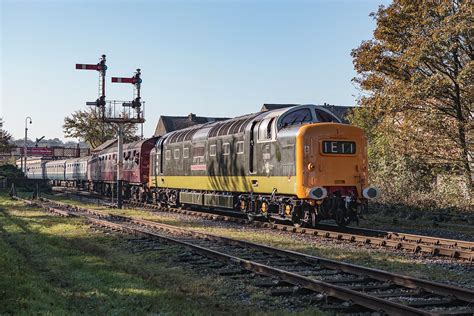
[53, 265]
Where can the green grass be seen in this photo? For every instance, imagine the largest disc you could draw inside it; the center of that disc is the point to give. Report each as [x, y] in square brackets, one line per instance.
[53, 265]
[426, 221]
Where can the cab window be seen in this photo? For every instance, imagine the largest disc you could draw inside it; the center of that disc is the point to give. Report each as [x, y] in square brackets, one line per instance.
[325, 117]
[296, 117]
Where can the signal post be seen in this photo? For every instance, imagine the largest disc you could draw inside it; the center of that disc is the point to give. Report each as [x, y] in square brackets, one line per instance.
[117, 112]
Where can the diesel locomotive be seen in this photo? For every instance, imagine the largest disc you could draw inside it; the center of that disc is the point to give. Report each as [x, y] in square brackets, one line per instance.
[300, 164]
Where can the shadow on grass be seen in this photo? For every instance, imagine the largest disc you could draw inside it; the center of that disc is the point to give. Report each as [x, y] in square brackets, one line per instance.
[59, 268]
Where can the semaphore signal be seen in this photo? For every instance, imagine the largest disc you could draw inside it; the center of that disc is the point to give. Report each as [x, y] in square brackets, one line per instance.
[120, 113]
[136, 80]
[101, 67]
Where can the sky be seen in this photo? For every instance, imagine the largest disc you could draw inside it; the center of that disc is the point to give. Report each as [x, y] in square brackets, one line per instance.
[212, 58]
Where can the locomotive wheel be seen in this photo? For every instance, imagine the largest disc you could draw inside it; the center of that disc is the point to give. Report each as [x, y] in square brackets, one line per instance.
[250, 217]
[342, 219]
[304, 217]
[297, 216]
[313, 220]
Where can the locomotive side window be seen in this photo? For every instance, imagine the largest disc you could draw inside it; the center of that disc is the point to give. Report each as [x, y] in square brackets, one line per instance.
[212, 150]
[176, 154]
[265, 129]
[199, 151]
[226, 149]
[168, 155]
[240, 148]
[185, 152]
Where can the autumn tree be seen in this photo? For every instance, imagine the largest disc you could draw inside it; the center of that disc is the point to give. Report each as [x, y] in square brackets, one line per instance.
[5, 140]
[417, 75]
[88, 127]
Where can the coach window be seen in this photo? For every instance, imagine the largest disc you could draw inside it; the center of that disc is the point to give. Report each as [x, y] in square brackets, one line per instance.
[226, 149]
[168, 155]
[185, 152]
[176, 154]
[137, 158]
[212, 150]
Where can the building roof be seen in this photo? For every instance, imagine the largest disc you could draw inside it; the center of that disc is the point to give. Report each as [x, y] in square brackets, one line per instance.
[168, 124]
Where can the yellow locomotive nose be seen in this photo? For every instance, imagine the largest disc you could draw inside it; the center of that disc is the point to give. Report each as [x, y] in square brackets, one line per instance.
[330, 156]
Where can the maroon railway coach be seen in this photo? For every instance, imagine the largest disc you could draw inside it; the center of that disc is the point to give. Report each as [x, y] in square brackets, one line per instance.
[136, 162]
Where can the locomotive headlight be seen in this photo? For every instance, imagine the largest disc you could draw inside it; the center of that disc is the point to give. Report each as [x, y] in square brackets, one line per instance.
[371, 193]
[318, 193]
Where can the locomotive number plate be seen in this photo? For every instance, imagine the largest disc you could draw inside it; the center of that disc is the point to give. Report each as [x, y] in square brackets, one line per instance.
[338, 147]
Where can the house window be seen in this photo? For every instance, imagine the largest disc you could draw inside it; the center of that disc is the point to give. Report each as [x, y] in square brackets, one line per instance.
[168, 155]
[185, 152]
[240, 148]
[176, 154]
[212, 150]
[226, 149]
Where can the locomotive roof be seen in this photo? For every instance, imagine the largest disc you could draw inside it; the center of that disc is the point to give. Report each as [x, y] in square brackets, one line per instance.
[167, 124]
[234, 125]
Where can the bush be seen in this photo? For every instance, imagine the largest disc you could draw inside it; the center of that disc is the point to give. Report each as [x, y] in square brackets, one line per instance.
[11, 172]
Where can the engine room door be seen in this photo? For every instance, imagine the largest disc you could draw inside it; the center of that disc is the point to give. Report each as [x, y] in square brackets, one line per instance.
[252, 148]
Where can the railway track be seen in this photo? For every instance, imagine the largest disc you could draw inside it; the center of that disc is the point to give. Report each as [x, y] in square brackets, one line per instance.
[435, 246]
[356, 286]
[457, 249]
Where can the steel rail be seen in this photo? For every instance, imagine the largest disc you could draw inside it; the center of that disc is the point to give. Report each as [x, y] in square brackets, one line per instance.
[337, 291]
[362, 299]
[457, 249]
